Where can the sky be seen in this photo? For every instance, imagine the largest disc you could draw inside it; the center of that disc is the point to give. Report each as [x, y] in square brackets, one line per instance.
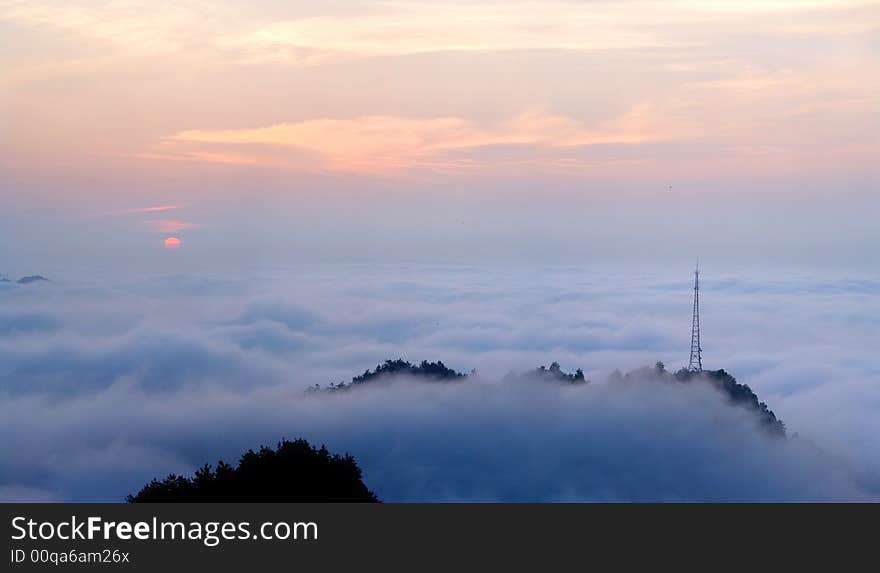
[236, 200]
[480, 132]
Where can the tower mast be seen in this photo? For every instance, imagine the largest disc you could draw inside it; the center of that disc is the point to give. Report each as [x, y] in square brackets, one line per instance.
[696, 361]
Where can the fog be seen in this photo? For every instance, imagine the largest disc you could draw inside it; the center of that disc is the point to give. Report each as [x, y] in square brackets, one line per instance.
[108, 381]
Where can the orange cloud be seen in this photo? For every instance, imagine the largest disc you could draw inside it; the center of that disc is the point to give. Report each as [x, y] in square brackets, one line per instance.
[389, 144]
[681, 71]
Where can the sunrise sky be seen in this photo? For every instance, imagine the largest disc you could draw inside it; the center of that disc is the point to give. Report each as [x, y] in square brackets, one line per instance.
[236, 200]
[439, 131]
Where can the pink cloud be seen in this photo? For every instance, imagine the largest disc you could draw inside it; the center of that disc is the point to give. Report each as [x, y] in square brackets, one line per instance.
[170, 226]
[154, 209]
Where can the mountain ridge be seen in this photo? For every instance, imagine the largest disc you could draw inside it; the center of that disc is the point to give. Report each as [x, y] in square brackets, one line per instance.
[738, 394]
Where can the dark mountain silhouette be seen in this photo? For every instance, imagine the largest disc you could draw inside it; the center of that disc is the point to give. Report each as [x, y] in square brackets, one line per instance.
[31, 279]
[738, 394]
[293, 472]
[431, 371]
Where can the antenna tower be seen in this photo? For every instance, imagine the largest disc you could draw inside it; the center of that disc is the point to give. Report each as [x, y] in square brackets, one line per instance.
[696, 361]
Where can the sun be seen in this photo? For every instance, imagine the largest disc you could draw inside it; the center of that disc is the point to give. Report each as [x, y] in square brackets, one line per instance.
[172, 243]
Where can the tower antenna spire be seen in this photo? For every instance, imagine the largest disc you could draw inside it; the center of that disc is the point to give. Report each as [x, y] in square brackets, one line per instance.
[696, 361]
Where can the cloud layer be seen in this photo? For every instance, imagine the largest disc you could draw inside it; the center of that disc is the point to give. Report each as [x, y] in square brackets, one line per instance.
[105, 384]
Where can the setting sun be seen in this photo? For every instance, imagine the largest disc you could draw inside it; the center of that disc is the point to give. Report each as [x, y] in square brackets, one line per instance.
[172, 243]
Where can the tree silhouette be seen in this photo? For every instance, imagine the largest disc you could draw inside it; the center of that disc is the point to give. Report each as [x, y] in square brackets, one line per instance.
[431, 371]
[31, 279]
[294, 471]
[555, 374]
[739, 394]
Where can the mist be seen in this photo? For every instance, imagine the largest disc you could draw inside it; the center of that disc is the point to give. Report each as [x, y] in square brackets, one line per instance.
[108, 381]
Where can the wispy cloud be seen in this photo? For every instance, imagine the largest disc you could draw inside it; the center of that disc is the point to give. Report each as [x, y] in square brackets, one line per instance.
[123, 24]
[408, 28]
[303, 36]
[396, 28]
[382, 144]
[418, 85]
[170, 226]
[154, 209]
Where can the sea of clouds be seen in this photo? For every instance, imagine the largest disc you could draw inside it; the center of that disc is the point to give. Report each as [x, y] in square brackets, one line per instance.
[108, 381]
